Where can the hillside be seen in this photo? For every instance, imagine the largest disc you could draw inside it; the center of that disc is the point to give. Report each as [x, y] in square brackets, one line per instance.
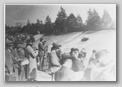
[105, 39]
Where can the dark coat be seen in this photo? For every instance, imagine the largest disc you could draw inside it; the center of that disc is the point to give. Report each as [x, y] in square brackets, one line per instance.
[41, 49]
[41, 46]
[77, 65]
[9, 60]
[64, 74]
[31, 55]
[54, 59]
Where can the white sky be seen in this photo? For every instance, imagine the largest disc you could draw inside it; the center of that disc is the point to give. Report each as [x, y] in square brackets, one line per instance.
[21, 13]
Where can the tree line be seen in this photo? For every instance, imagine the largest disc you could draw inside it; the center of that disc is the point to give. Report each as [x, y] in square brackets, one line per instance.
[65, 24]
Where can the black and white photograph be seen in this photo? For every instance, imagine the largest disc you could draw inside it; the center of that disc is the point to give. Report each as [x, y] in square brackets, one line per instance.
[59, 42]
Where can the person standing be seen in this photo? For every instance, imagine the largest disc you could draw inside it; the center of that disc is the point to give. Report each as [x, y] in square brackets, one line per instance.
[9, 63]
[32, 52]
[21, 56]
[9, 58]
[55, 60]
[41, 53]
[77, 64]
[46, 58]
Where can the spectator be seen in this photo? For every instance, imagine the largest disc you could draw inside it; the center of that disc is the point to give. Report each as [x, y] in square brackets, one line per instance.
[41, 53]
[31, 54]
[65, 73]
[9, 58]
[77, 64]
[55, 60]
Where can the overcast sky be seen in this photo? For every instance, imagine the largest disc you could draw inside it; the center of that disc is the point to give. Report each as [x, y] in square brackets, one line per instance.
[21, 13]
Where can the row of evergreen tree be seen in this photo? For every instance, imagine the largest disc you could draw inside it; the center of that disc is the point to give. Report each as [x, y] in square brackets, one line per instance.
[65, 24]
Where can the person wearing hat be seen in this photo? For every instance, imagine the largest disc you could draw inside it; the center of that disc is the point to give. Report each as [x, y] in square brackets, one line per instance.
[21, 56]
[31, 54]
[9, 58]
[67, 55]
[77, 64]
[55, 60]
[59, 52]
[46, 58]
[41, 53]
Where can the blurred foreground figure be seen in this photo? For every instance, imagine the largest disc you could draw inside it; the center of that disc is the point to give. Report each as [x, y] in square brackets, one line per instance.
[66, 74]
[103, 69]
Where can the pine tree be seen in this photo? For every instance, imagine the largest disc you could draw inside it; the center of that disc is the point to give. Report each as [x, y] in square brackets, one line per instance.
[60, 23]
[62, 14]
[48, 20]
[93, 21]
[71, 22]
[79, 20]
[80, 25]
[106, 22]
[48, 25]
[28, 22]
[41, 26]
[38, 21]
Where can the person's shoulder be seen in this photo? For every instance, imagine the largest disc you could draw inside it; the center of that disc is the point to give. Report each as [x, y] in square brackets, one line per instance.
[70, 71]
[40, 43]
[28, 47]
[64, 69]
[53, 51]
[7, 51]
